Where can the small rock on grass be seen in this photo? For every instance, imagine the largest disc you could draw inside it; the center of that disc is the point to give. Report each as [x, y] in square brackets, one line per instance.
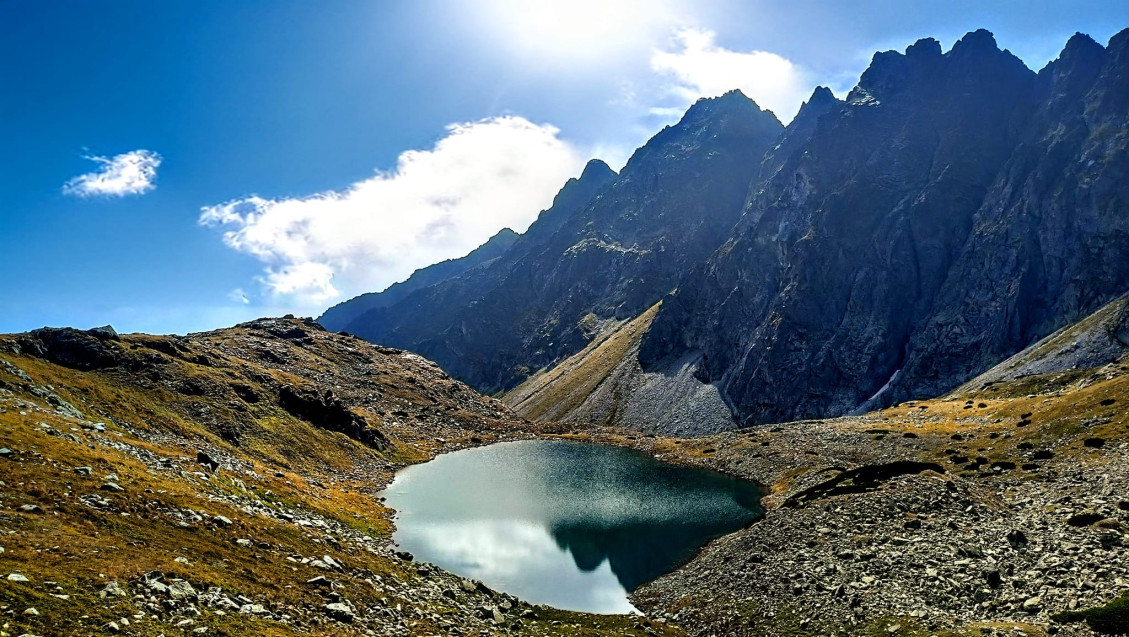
[113, 589]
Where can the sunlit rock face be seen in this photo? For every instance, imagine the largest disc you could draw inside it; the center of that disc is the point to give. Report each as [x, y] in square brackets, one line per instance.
[570, 525]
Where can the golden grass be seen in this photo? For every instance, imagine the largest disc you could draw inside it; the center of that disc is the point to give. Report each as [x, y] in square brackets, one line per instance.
[554, 393]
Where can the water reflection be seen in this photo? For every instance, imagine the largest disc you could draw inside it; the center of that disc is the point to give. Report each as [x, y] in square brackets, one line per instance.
[572, 525]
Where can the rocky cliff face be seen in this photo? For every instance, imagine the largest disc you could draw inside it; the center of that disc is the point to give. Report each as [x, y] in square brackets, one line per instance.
[956, 208]
[609, 248]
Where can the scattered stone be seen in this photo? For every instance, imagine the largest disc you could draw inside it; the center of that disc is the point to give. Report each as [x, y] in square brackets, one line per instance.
[31, 508]
[112, 589]
[112, 487]
[181, 590]
[16, 577]
[84, 471]
[340, 612]
[1085, 518]
[206, 460]
[221, 520]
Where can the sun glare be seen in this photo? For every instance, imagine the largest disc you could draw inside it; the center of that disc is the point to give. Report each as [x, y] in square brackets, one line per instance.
[576, 30]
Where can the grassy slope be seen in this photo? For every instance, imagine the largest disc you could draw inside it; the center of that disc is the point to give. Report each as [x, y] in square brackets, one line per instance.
[274, 464]
[553, 394]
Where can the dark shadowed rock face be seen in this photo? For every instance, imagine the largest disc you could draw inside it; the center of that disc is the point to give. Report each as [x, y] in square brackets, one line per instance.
[326, 411]
[610, 247]
[955, 209]
[339, 316]
[1052, 234]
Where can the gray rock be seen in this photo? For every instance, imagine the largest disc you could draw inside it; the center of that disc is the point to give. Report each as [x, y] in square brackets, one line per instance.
[340, 612]
[181, 590]
[112, 589]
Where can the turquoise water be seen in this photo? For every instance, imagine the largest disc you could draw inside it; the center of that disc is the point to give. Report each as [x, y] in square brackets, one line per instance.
[572, 525]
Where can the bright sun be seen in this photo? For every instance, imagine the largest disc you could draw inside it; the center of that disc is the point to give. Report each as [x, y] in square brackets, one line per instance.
[576, 30]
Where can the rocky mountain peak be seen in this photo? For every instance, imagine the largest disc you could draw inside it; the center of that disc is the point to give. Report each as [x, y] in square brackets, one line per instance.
[924, 48]
[733, 103]
[597, 170]
[1080, 44]
[978, 42]
[1077, 66]
[974, 61]
[505, 235]
[821, 101]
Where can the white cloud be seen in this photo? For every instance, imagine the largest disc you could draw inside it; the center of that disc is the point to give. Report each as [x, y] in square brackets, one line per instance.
[703, 69]
[130, 173]
[436, 204]
[239, 296]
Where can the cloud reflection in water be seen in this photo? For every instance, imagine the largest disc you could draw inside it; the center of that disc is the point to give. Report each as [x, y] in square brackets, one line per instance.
[571, 525]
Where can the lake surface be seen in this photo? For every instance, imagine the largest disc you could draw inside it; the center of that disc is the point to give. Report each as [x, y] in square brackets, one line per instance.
[572, 525]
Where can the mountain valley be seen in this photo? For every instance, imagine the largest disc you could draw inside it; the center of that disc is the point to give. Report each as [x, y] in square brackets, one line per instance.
[903, 316]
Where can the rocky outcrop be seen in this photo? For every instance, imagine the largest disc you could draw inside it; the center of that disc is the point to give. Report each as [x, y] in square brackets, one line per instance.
[1048, 245]
[324, 410]
[956, 208]
[78, 349]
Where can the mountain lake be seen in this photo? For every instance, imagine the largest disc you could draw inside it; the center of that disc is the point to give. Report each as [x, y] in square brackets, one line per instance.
[571, 525]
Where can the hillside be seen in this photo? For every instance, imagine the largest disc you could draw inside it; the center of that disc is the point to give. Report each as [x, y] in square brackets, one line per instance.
[986, 511]
[603, 385]
[226, 483]
[223, 483]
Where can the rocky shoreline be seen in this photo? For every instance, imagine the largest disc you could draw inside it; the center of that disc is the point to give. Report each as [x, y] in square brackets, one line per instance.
[914, 520]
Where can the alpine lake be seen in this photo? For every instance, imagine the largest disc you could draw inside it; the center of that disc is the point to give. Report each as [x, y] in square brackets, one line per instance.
[571, 525]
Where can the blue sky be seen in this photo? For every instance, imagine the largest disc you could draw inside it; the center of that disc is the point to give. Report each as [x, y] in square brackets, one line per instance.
[173, 166]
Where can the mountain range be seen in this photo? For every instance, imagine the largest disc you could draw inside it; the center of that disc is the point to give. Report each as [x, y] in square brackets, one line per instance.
[953, 209]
